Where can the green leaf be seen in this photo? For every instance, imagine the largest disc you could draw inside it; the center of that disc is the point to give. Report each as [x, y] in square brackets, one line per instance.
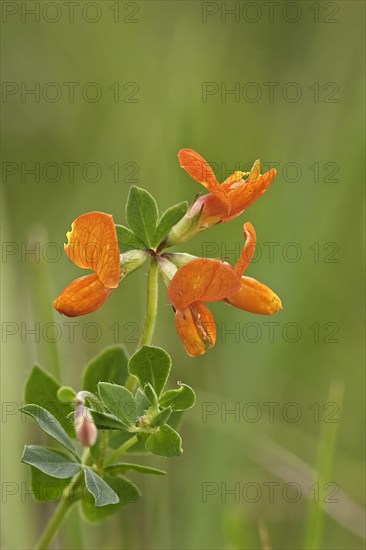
[123, 467]
[46, 488]
[120, 402]
[178, 400]
[175, 420]
[166, 442]
[151, 364]
[142, 214]
[141, 402]
[127, 240]
[109, 366]
[151, 395]
[41, 388]
[103, 494]
[168, 220]
[105, 421]
[50, 425]
[127, 492]
[50, 462]
[161, 418]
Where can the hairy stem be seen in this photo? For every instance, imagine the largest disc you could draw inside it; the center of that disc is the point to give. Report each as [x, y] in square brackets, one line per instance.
[150, 317]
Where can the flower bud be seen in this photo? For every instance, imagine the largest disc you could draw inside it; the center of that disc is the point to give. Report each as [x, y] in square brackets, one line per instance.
[85, 429]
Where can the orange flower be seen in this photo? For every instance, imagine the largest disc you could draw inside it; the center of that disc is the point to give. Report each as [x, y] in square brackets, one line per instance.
[229, 199]
[206, 280]
[92, 244]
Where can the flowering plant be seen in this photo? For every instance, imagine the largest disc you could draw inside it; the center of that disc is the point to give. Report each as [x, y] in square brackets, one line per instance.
[124, 405]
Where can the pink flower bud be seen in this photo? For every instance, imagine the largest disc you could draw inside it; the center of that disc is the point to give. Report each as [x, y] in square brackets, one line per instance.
[85, 429]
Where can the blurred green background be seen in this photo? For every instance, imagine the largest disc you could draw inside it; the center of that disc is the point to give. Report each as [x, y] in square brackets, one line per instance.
[312, 215]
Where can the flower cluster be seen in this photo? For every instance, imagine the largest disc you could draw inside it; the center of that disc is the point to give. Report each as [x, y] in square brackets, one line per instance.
[94, 243]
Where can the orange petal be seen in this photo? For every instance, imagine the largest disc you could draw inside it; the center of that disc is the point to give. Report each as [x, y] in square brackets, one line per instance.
[243, 193]
[201, 171]
[92, 243]
[196, 328]
[202, 280]
[82, 296]
[247, 250]
[255, 297]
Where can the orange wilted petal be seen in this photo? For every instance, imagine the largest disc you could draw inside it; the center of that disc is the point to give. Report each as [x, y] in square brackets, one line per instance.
[196, 328]
[82, 296]
[255, 297]
[201, 171]
[248, 249]
[92, 243]
[202, 280]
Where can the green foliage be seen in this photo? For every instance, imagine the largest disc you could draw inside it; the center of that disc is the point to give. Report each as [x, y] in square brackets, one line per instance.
[65, 394]
[103, 494]
[46, 488]
[127, 240]
[109, 366]
[106, 421]
[49, 424]
[122, 467]
[50, 462]
[126, 492]
[151, 365]
[142, 214]
[41, 388]
[165, 442]
[170, 217]
[161, 418]
[178, 400]
[119, 401]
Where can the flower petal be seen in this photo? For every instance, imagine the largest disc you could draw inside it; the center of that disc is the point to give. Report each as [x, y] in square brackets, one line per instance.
[244, 192]
[247, 250]
[82, 296]
[201, 171]
[202, 280]
[255, 297]
[92, 243]
[196, 328]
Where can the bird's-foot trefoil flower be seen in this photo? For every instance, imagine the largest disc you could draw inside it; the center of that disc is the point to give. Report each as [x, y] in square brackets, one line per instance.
[225, 201]
[92, 244]
[207, 280]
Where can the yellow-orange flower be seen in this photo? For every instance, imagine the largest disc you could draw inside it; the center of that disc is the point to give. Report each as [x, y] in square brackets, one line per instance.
[207, 280]
[228, 199]
[92, 244]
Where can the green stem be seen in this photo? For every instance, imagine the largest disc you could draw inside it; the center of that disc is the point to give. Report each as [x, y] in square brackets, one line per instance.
[121, 449]
[58, 516]
[67, 500]
[150, 317]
